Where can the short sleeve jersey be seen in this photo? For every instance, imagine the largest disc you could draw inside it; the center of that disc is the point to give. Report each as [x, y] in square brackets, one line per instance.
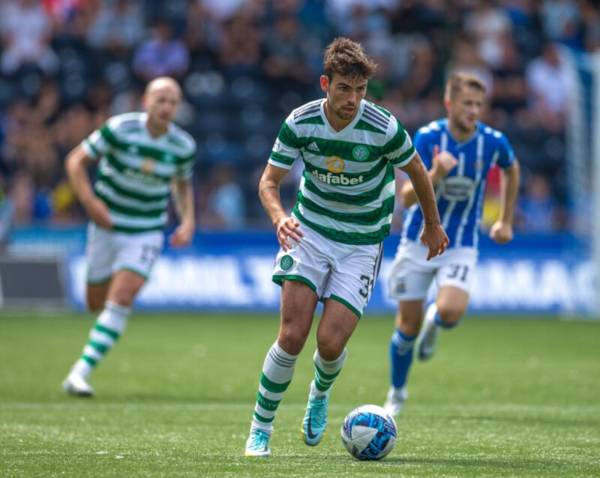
[347, 189]
[135, 170]
[460, 194]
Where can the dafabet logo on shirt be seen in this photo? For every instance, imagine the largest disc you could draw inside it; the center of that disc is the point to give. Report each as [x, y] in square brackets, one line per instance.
[335, 167]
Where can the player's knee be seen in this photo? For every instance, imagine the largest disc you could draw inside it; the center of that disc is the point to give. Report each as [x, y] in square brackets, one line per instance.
[410, 329]
[292, 340]
[450, 315]
[123, 297]
[330, 347]
[94, 304]
[410, 326]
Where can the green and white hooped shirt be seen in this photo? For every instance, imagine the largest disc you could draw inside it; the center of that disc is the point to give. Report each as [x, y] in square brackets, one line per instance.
[136, 169]
[347, 189]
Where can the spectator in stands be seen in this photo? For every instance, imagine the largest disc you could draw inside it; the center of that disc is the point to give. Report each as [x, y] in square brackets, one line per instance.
[21, 192]
[161, 55]
[537, 210]
[561, 21]
[417, 44]
[222, 10]
[549, 84]
[509, 94]
[240, 45]
[226, 199]
[285, 62]
[591, 25]
[26, 36]
[465, 58]
[118, 27]
[487, 24]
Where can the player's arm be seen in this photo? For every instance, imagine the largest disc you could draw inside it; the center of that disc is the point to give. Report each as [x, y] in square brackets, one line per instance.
[502, 230]
[286, 226]
[443, 162]
[433, 235]
[76, 166]
[183, 195]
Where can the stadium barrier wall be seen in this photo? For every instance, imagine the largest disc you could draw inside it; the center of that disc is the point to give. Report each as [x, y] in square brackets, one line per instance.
[232, 271]
[27, 282]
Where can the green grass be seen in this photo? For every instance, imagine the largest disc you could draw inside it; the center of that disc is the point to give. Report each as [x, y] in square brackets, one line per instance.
[502, 398]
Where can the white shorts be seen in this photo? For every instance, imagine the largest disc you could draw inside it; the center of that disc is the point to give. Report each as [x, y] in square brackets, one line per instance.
[411, 274]
[342, 272]
[108, 252]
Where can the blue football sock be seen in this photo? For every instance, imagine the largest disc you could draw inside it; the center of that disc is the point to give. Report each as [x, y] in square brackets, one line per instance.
[444, 325]
[401, 354]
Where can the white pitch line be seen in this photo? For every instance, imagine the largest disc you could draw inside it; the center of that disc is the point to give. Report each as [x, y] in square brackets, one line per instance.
[415, 408]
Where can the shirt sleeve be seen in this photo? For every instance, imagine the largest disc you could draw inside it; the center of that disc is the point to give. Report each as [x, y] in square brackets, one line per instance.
[424, 147]
[506, 155]
[185, 169]
[287, 146]
[399, 150]
[96, 145]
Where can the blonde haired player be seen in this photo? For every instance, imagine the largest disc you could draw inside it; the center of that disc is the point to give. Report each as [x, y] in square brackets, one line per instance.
[458, 151]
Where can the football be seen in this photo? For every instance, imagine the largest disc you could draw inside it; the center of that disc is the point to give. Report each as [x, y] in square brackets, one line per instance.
[369, 433]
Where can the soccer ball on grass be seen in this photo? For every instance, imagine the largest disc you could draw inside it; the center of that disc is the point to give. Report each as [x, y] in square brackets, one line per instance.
[369, 433]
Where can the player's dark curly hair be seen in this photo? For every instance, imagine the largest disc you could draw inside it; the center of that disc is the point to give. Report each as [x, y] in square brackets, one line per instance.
[347, 58]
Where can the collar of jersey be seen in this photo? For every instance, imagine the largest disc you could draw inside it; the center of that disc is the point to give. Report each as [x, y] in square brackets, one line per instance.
[349, 126]
[460, 144]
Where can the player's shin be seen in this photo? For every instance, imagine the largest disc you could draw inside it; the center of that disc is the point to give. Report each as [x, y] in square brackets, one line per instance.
[277, 372]
[401, 356]
[326, 371]
[109, 326]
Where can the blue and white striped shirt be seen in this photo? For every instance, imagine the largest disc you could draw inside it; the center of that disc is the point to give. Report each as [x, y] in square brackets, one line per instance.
[460, 194]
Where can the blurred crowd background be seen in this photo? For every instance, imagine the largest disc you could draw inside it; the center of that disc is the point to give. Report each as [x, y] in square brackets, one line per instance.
[67, 65]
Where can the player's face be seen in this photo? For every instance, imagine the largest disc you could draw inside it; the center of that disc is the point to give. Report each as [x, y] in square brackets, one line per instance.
[344, 95]
[465, 109]
[161, 105]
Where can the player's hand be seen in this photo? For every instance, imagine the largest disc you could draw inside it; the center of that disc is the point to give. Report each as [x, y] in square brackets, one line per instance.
[182, 236]
[288, 228]
[501, 232]
[443, 162]
[98, 212]
[435, 238]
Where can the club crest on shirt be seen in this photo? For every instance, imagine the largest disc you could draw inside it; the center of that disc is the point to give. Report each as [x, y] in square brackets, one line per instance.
[335, 164]
[360, 152]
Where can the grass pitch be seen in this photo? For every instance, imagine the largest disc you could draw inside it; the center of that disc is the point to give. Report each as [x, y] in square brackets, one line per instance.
[502, 398]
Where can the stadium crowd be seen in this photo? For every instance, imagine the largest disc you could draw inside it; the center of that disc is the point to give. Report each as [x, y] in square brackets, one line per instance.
[67, 65]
